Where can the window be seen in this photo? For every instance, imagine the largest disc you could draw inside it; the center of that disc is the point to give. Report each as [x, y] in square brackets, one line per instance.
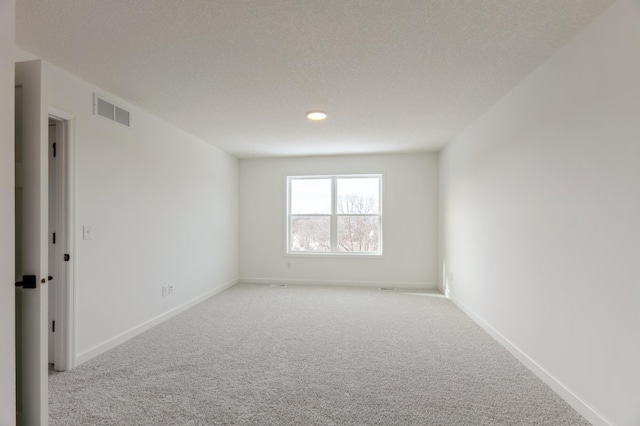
[334, 214]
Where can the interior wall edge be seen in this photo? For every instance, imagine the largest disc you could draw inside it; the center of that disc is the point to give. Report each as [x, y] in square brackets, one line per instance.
[7, 214]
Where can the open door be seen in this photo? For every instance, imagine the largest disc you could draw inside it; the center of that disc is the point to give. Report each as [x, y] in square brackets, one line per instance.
[31, 244]
[61, 197]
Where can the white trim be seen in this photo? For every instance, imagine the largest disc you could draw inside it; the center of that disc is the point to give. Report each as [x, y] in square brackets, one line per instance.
[580, 405]
[123, 337]
[342, 283]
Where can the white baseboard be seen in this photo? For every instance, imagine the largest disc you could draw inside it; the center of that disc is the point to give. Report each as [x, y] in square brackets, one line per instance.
[578, 404]
[341, 283]
[123, 337]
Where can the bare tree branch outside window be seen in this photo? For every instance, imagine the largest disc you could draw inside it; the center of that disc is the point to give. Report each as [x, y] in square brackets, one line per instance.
[357, 233]
[310, 234]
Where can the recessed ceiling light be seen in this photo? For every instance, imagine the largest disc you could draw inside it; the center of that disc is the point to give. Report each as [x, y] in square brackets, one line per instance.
[316, 115]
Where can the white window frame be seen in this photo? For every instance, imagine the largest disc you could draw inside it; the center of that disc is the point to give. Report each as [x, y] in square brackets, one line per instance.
[333, 216]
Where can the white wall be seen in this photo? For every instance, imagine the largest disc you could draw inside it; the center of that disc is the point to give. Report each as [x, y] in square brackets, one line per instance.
[541, 199]
[163, 206]
[7, 278]
[410, 194]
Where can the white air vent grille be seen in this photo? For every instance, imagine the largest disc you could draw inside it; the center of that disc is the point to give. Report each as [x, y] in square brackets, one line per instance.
[122, 116]
[111, 111]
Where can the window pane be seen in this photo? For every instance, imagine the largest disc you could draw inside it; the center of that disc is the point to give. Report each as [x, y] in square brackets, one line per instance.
[358, 196]
[358, 233]
[310, 233]
[311, 196]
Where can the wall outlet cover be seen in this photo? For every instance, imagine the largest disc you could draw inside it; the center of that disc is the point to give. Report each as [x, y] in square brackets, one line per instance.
[87, 232]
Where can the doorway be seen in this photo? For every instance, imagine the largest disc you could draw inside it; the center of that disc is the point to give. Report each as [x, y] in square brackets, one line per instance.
[60, 320]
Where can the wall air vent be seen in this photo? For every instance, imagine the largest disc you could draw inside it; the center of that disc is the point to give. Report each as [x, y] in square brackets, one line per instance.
[111, 111]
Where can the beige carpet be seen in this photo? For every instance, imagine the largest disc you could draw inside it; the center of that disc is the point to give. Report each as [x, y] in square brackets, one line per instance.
[266, 355]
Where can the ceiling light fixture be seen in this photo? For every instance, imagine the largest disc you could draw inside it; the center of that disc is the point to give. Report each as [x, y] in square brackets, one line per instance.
[316, 115]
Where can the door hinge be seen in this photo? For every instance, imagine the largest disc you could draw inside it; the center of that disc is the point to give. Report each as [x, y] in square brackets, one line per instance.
[54, 238]
[54, 150]
[53, 326]
[67, 257]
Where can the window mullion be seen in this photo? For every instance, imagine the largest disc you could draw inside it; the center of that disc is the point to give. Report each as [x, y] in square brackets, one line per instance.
[334, 217]
[289, 216]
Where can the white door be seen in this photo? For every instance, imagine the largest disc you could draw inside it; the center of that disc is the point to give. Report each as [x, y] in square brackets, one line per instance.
[32, 195]
[52, 241]
[60, 300]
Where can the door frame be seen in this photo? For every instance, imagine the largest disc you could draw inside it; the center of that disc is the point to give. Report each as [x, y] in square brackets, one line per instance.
[64, 298]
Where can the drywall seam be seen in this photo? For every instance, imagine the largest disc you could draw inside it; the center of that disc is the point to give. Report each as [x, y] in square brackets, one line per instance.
[123, 337]
[580, 405]
[345, 283]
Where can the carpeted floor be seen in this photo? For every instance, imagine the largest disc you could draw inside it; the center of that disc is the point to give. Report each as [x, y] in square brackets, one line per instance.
[266, 355]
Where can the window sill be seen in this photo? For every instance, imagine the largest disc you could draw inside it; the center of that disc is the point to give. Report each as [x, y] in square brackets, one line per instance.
[337, 255]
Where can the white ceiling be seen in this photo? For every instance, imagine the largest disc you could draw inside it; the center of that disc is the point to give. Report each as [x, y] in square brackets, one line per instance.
[393, 75]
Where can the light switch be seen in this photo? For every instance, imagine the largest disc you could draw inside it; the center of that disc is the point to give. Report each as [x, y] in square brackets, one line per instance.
[87, 232]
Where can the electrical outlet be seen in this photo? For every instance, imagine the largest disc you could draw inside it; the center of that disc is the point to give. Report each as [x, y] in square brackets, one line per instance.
[165, 290]
[170, 286]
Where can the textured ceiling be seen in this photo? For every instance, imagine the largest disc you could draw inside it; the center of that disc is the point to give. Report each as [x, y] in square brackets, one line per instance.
[393, 75]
